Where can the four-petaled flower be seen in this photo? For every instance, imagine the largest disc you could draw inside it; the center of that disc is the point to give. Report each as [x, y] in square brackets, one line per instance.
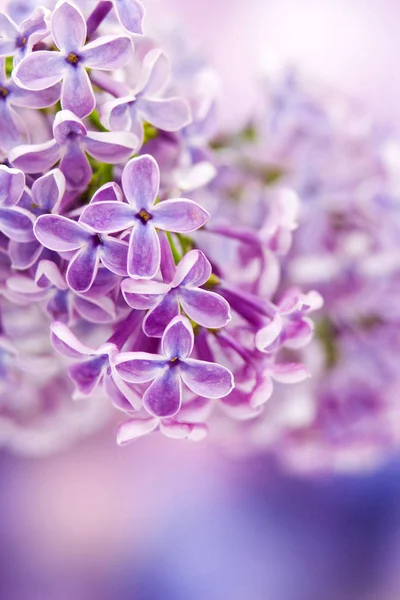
[45, 198]
[289, 327]
[204, 307]
[93, 365]
[89, 248]
[44, 68]
[140, 182]
[144, 102]
[13, 129]
[18, 40]
[70, 143]
[15, 222]
[166, 372]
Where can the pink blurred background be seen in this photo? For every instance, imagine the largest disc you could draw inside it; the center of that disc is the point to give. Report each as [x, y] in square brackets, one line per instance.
[79, 524]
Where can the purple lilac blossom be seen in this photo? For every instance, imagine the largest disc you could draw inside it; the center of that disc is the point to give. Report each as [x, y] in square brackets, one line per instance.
[157, 308]
[164, 300]
[44, 68]
[18, 40]
[13, 129]
[72, 140]
[142, 215]
[89, 248]
[164, 396]
[144, 103]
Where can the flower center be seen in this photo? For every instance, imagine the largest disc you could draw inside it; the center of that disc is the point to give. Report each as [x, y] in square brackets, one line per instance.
[4, 92]
[72, 58]
[144, 216]
[21, 42]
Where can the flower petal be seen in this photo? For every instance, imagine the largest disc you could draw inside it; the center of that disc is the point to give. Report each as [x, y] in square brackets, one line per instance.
[131, 14]
[82, 269]
[77, 93]
[95, 310]
[108, 217]
[13, 130]
[116, 114]
[108, 192]
[169, 114]
[35, 158]
[68, 27]
[267, 336]
[12, 183]
[66, 343]
[207, 379]
[60, 233]
[205, 308]
[135, 428]
[164, 396]
[114, 255]
[289, 372]
[193, 270]
[155, 72]
[36, 99]
[180, 216]
[35, 26]
[298, 332]
[87, 375]
[157, 319]
[178, 339]
[40, 70]
[122, 394]
[48, 274]
[183, 431]
[144, 252]
[48, 190]
[143, 293]
[110, 147]
[75, 167]
[108, 52]
[139, 367]
[17, 224]
[24, 255]
[67, 126]
[8, 29]
[141, 182]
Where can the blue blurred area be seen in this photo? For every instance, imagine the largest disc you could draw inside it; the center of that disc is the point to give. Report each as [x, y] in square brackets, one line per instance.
[283, 538]
[255, 534]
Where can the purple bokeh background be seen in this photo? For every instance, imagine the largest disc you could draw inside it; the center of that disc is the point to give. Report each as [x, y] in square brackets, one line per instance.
[163, 519]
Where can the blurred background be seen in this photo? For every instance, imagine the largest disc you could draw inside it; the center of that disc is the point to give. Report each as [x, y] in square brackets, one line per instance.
[161, 519]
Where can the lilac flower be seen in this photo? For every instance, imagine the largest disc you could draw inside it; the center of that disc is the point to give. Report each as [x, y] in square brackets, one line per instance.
[45, 197]
[70, 143]
[144, 103]
[18, 40]
[60, 303]
[94, 366]
[140, 182]
[90, 248]
[164, 396]
[15, 222]
[42, 69]
[13, 129]
[289, 327]
[165, 299]
[254, 386]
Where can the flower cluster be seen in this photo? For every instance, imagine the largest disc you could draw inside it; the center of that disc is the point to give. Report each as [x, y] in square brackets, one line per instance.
[144, 300]
[342, 172]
